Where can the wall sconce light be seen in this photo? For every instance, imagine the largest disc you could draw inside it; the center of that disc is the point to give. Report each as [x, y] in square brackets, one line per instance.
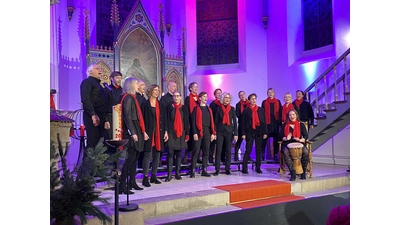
[70, 8]
[168, 26]
[264, 20]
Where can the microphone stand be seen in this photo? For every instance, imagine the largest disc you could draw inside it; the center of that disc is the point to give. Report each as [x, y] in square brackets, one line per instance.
[116, 144]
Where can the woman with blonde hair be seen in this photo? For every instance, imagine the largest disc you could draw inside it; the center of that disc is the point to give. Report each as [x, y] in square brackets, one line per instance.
[287, 106]
[226, 127]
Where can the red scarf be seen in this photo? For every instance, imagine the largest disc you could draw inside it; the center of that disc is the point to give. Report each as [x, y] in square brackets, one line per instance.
[178, 128]
[156, 134]
[52, 104]
[298, 102]
[243, 104]
[267, 109]
[255, 121]
[116, 87]
[296, 129]
[226, 110]
[199, 121]
[139, 112]
[218, 102]
[192, 102]
[285, 110]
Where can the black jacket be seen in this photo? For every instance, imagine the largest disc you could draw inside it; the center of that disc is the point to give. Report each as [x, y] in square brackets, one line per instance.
[219, 127]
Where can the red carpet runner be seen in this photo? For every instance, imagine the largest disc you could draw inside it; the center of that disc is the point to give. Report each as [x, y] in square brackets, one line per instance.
[260, 193]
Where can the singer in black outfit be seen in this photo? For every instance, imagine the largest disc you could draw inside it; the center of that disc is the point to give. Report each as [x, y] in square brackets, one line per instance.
[240, 106]
[115, 91]
[254, 130]
[304, 109]
[226, 127]
[214, 106]
[96, 106]
[133, 129]
[203, 133]
[178, 134]
[141, 88]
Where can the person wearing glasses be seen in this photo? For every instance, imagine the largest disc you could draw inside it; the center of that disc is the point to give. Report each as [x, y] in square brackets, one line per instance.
[178, 134]
[226, 127]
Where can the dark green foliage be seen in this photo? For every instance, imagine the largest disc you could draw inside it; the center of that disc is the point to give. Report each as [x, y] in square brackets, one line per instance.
[72, 193]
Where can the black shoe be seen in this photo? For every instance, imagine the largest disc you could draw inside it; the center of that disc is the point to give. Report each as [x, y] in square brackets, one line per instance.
[259, 171]
[303, 176]
[178, 177]
[216, 173]
[245, 171]
[192, 175]
[169, 178]
[145, 182]
[228, 172]
[122, 190]
[205, 174]
[153, 179]
[133, 185]
[292, 175]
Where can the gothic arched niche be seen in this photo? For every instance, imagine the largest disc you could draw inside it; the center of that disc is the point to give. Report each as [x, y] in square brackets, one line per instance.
[138, 57]
[174, 75]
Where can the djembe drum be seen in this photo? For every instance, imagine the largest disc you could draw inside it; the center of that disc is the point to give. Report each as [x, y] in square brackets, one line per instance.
[296, 151]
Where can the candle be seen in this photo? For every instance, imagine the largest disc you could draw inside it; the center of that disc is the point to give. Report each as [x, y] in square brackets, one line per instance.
[117, 122]
[82, 130]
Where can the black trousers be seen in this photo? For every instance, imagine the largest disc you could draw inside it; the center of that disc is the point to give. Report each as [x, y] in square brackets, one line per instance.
[93, 133]
[275, 137]
[224, 145]
[155, 155]
[129, 167]
[237, 146]
[249, 147]
[213, 145]
[174, 157]
[203, 144]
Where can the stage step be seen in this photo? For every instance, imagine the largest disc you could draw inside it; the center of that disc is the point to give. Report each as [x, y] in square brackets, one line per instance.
[175, 207]
[169, 219]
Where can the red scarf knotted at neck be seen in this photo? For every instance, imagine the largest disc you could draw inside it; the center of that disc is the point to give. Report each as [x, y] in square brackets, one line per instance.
[192, 102]
[139, 112]
[296, 129]
[268, 110]
[285, 110]
[218, 102]
[178, 127]
[255, 120]
[298, 102]
[199, 121]
[156, 134]
[243, 104]
[226, 109]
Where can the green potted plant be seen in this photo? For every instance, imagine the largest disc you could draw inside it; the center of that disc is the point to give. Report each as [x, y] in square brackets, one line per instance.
[73, 192]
